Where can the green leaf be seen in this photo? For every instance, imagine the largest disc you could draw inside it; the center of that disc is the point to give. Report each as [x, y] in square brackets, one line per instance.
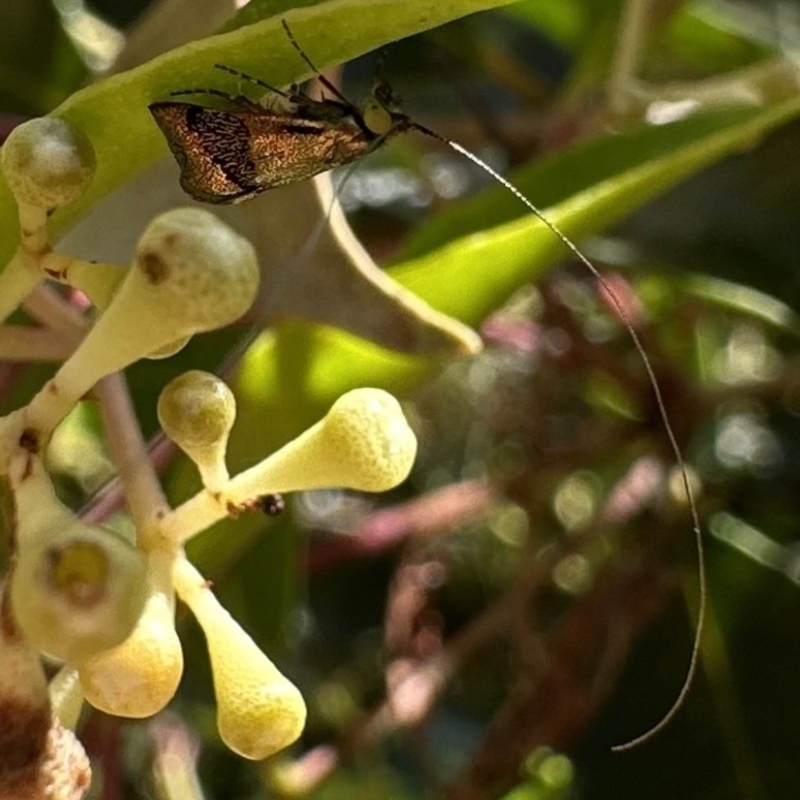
[113, 113]
[491, 245]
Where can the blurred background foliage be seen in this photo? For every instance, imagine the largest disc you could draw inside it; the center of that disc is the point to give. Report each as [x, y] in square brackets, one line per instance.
[492, 627]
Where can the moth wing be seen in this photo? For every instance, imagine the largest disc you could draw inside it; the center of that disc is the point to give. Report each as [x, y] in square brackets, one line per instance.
[212, 148]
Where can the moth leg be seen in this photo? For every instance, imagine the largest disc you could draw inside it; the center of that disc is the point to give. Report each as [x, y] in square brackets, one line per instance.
[238, 101]
[250, 79]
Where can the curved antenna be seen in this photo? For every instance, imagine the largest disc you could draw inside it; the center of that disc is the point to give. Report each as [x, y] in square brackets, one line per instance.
[662, 410]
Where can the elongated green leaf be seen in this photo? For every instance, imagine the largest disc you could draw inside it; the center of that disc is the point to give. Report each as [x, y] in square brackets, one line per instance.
[113, 113]
[666, 153]
[492, 259]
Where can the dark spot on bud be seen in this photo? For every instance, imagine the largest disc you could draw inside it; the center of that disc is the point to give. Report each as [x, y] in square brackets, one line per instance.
[29, 440]
[8, 625]
[153, 267]
[233, 510]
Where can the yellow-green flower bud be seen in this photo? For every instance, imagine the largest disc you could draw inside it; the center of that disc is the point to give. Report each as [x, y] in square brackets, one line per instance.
[197, 410]
[140, 676]
[199, 271]
[192, 273]
[47, 162]
[76, 590]
[364, 442]
[259, 711]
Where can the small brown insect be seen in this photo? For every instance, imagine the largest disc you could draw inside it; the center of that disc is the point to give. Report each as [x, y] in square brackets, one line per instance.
[227, 156]
[271, 504]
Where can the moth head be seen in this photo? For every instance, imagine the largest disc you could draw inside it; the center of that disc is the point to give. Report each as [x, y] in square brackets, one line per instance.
[383, 112]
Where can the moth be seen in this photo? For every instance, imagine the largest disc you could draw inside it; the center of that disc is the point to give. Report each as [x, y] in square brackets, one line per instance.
[232, 155]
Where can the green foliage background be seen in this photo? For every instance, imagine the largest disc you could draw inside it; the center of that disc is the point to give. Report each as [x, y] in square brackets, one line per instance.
[705, 209]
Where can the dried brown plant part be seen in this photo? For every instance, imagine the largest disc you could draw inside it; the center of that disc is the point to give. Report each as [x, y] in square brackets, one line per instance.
[39, 758]
[431, 514]
[412, 625]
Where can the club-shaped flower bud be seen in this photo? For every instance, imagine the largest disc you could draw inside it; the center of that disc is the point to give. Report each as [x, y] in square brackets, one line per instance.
[76, 589]
[259, 711]
[196, 269]
[139, 677]
[192, 273]
[47, 162]
[197, 410]
[364, 442]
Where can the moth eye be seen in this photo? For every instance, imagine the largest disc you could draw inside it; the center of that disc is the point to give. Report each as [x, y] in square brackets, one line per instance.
[377, 118]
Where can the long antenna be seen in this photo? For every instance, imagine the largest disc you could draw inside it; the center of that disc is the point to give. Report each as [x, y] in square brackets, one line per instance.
[402, 122]
[662, 410]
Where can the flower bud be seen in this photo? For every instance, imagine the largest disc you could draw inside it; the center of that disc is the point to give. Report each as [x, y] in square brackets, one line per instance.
[139, 677]
[198, 271]
[197, 410]
[47, 162]
[76, 589]
[192, 273]
[364, 442]
[259, 711]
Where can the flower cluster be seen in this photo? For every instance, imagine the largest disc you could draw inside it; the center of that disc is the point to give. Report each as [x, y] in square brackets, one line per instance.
[84, 594]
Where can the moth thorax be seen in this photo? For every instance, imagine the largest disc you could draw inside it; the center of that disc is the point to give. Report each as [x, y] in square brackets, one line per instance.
[378, 119]
[278, 104]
